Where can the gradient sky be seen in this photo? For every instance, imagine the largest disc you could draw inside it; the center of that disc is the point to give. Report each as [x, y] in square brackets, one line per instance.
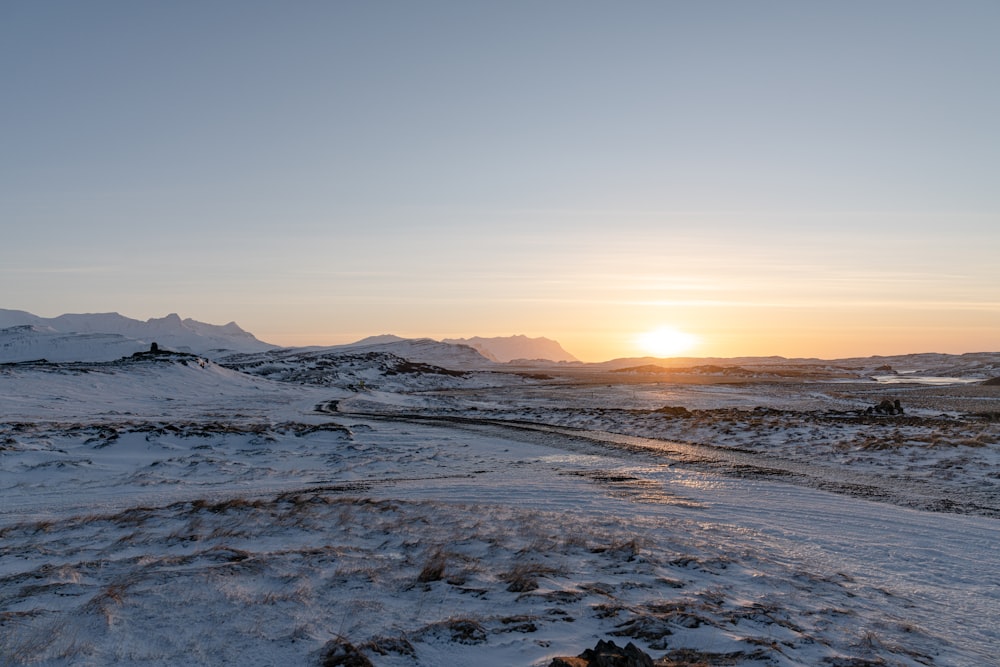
[791, 178]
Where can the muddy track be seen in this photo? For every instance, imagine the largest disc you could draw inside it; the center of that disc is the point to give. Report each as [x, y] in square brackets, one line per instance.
[897, 490]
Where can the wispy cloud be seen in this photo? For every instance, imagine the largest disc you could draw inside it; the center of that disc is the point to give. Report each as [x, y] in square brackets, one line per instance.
[61, 270]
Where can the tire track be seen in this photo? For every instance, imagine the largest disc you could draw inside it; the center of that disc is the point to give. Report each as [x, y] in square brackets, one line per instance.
[914, 494]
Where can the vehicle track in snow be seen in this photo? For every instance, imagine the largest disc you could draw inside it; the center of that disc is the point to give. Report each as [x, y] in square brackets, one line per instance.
[898, 490]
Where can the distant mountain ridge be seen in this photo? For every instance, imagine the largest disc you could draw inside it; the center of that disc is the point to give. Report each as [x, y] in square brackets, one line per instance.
[499, 349]
[378, 340]
[25, 336]
[423, 350]
[511, 348]
[107, 336]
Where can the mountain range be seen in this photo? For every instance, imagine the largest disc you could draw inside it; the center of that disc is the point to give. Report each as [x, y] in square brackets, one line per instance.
[109, 336]
[513, 348]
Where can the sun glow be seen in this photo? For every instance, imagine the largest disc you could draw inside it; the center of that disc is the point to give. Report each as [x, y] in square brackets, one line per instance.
[666, 342]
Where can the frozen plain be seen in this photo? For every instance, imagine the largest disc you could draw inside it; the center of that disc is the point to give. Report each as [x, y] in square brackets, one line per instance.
[167, 511]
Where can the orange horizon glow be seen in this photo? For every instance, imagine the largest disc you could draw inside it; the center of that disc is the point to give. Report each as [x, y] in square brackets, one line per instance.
[715, 344]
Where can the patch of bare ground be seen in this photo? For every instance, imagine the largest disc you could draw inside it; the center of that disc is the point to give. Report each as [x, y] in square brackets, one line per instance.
[19, 435]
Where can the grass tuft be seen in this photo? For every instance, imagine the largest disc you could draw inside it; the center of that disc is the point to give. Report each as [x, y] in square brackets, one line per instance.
[434, 569]
[523, 577]
[339, 652]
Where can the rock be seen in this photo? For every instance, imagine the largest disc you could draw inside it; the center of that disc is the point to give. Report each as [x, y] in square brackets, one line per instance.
[887, 407]
[342, 653]
[992, 382]
[606, 654]
[569, 662]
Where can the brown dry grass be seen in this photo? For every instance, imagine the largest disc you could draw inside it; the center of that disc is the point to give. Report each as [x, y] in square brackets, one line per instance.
[523, 577]
[434, 569]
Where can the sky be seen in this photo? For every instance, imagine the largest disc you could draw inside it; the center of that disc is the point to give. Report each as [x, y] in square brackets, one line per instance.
[805, 179]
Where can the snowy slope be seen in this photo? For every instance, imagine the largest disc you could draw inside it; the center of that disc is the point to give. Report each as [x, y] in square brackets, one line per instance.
[107, 336]
[163, 386]
[32, 342]
[375, 368]
[418, 350]
[376, 340]
[427, 351]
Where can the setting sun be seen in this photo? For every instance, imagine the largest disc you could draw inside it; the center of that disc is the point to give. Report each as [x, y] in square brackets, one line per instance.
[666, 342]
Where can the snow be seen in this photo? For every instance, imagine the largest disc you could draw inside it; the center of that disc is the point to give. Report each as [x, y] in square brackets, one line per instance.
[923, 379]
[167, 510]
[420, 351]
[512, 348]
[109, 336]
[34, 342]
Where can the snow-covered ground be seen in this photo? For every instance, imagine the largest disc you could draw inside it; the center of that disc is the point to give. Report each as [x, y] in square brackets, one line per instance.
[942, 453]
[171, 511]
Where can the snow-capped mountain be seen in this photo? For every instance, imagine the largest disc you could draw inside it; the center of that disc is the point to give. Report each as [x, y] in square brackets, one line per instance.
[377, 340]
[428, 351]
[417, 350]
[108, 336]
[30, 342]
[511, 348]
[396, 366]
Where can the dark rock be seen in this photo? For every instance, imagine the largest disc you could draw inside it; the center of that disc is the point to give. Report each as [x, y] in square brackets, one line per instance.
[887, 407]
[565, 661]
[606, 654]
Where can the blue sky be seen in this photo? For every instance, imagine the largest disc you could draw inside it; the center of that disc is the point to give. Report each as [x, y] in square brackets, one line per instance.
[790, 178]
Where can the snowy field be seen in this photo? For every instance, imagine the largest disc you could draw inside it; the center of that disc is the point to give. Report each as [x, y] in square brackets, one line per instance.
[169, 511]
